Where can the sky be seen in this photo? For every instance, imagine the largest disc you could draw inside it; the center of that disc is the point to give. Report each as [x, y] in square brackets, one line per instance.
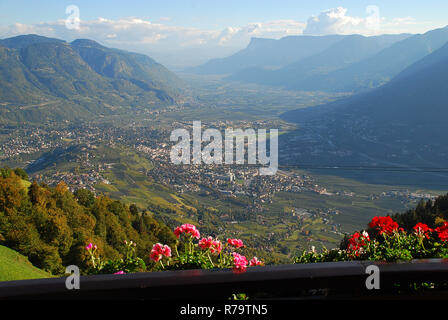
[180, 33]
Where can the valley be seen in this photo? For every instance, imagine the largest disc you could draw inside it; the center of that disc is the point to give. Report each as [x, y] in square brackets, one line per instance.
[338, 165]
[278, 216]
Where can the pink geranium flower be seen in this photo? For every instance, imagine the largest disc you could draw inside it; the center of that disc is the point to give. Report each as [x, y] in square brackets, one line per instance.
[205, 243]
[159, 251]
[215, 246]
[187, 229]
[239, 262]
[255, 262]
[237, 243]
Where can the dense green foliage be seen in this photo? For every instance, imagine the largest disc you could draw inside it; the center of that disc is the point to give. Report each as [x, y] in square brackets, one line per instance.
[432, 213]
[128, 263]
[400, 246]
[51, 226]
[421, 233]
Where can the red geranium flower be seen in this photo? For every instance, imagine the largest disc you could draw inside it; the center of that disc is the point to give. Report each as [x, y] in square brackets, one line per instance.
[442, 231]
[384, 224]
[422, 230]
[357, 242]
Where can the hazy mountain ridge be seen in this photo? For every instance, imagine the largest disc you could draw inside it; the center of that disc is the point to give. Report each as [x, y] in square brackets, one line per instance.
[349, 50]
[356, 73]
[269, 53]
[401, 123]
[383, 66]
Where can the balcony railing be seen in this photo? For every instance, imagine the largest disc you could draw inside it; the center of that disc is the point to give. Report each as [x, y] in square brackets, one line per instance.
[296, 281]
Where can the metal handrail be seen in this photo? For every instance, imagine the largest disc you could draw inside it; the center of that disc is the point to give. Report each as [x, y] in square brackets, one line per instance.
[302, 281]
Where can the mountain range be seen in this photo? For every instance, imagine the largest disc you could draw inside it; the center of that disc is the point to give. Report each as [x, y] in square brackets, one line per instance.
[45, 78]
[349, 63]
[269, 53]
[350, 50]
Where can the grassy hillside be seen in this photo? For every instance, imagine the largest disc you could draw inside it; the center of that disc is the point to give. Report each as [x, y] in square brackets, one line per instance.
[14, 266]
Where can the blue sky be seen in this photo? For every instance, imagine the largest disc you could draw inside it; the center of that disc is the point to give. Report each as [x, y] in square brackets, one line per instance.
[212, 13]
[192, 31]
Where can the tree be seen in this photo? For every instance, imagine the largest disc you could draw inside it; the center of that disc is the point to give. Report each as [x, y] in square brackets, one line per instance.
[21, 173]
[85, 197]
[134, 210]
[52, 226]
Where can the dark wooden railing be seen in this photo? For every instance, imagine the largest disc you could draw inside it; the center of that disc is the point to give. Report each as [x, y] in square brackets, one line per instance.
[297, 281]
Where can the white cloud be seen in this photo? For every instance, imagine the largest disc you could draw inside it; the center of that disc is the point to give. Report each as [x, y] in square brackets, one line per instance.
[335, 21]
[153, 38]
[134, 30]
[179, 45]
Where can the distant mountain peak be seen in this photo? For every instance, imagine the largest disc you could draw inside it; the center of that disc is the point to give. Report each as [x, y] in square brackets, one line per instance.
[85, 78]
[267, 52]
[256, 40]
[86, 43]
[22, 41]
